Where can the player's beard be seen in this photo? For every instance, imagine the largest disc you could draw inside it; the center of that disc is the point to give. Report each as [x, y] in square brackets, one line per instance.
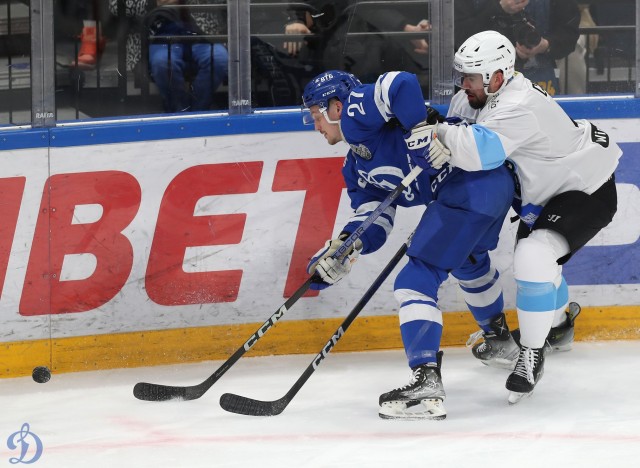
[476, 102]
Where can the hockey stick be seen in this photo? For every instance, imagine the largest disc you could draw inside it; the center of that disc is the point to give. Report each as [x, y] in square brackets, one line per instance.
[401, 187]
[248, 406]
[157, 392]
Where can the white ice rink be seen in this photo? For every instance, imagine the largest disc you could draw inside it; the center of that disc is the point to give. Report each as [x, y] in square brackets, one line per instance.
[584, 413]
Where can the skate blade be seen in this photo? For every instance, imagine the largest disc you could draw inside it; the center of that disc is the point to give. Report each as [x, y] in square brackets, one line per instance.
[413, 411]
[515, 397]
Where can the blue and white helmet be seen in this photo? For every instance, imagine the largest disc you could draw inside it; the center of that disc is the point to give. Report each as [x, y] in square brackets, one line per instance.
[324, 87]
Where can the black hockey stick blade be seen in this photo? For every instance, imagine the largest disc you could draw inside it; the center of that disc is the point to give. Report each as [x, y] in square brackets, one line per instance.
[157, 392]
[250, 407]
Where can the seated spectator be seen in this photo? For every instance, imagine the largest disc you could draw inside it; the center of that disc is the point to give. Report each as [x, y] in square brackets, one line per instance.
[281, 69]
[92, 39]
[171, 63]
[277, 77]
[542, 31]
[131, 28]
[365, 57]
[573, 68]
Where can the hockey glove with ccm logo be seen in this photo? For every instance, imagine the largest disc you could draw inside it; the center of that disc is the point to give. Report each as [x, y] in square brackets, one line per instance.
[331, 270]
[425, 149]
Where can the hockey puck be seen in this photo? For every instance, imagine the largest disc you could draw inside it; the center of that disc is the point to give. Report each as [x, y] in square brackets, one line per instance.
[41, 374]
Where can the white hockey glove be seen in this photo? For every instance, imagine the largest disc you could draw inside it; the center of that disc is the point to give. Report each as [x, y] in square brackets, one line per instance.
[331, 270]
[425, 149]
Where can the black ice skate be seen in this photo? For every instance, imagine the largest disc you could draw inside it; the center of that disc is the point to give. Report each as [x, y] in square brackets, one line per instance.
[559, 338]
[422, 398]
[498, 348]
[528, 371]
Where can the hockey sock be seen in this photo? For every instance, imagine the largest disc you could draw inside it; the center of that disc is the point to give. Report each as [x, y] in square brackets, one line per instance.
[481, 289]
[484, 298]
[421, 340]
[536, 304]
[416, 290]
[420, 326]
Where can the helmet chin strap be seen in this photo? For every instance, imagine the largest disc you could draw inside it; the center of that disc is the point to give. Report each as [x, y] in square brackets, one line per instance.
[490, 96]
[326, 116]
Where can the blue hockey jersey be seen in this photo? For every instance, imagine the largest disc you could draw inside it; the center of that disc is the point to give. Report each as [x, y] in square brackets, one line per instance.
[372, 124]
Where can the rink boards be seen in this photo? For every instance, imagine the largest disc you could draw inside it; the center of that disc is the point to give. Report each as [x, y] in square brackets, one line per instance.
[171, 240]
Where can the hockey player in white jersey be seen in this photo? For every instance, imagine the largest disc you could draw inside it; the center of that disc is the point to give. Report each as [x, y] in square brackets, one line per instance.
[565, 184]
[382, 124]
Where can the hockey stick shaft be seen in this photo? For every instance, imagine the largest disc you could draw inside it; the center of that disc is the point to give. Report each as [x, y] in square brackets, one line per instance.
[248, 406]
[375, 214]
[157, 392]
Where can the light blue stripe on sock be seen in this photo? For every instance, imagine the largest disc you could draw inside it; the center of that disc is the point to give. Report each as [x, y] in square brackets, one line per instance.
[535, 297]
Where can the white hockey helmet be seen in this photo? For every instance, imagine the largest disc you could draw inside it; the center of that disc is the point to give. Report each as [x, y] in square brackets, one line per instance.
[484, 53]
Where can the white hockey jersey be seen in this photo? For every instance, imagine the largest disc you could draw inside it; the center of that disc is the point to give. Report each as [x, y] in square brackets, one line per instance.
[551, 153]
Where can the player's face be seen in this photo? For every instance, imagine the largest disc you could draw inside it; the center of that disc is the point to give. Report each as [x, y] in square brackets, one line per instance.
[331, 131]
[474, 89]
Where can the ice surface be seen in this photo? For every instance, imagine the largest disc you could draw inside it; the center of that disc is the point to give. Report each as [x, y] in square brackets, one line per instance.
[584, 412]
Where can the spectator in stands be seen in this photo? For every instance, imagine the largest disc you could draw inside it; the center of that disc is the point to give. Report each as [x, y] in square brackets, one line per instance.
[92, 39]
[573, 68]
[281, 69]
[543, 31]
[171, 63]
[277, 78]
[365, 57]
[135, 11]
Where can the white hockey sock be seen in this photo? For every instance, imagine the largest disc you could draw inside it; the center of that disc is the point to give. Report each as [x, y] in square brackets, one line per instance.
[535, 303]
[534, 327]
[541, 290]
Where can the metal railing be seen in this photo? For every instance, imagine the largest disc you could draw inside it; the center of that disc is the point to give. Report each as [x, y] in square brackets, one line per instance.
[28, 80]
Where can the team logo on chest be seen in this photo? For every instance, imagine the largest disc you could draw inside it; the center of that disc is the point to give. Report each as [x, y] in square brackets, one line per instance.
[386, 178]
[362, 151]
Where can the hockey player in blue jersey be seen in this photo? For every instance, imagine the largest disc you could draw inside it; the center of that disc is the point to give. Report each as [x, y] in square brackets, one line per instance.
[383, 125]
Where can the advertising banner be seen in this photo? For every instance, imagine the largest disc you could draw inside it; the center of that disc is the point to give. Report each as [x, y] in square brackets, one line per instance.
[216, 230]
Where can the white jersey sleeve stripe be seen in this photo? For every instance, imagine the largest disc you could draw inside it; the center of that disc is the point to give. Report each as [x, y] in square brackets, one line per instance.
[381, 95]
